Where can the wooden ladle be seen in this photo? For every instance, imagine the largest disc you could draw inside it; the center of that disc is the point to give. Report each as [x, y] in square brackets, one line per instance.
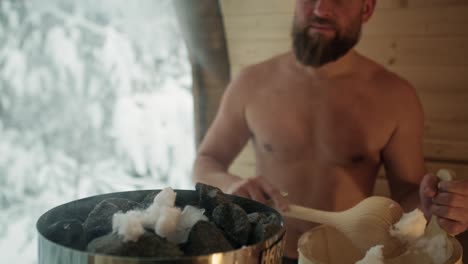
[367, 224]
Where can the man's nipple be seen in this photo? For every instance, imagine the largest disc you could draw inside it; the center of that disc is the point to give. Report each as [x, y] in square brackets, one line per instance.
[357, 158]
[268, 147]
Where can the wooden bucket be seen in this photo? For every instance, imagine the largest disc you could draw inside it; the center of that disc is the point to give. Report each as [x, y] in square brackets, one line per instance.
[326, 245]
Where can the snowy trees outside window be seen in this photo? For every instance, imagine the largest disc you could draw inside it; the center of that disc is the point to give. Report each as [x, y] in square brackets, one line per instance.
[94, 98]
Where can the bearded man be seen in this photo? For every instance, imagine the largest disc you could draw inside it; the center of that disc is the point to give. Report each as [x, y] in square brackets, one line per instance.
[323, 119]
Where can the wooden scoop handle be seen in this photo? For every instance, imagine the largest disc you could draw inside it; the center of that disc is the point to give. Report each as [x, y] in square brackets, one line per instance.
[312, 215]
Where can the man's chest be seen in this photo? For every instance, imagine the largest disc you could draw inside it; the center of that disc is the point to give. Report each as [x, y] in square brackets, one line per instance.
[341, 129]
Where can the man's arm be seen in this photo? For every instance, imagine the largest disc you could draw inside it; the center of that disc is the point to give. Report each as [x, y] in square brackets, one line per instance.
[405, 169]
[403, 156]
[224, 139]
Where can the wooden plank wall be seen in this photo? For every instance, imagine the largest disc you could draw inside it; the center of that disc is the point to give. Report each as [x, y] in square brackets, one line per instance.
[425, 41]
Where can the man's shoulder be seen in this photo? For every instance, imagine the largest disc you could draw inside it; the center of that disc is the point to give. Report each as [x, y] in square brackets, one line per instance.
[250, 80]
[398, 92]
[263, 69]
[389, 81]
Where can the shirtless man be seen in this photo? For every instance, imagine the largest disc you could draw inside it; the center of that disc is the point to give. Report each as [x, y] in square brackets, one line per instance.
[322, 120]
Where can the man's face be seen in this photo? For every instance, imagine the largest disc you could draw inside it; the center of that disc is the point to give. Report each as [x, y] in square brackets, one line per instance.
[325, 30]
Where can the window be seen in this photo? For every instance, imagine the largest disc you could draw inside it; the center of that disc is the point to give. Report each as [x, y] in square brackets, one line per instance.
[95, 98]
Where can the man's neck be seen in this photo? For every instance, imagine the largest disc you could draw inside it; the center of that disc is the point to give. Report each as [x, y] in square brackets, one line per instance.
[339, 67]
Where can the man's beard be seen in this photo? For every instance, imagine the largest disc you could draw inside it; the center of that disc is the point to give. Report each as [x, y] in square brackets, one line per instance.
[316, 50]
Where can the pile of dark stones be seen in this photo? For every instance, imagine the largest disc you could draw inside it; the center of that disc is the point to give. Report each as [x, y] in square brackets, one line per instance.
[229, 227]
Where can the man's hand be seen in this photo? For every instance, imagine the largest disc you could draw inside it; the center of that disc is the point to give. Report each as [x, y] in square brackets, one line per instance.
[259, 189]
[446, 199]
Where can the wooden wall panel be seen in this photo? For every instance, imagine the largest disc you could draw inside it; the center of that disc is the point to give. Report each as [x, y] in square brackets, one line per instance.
[255, 7]
[425, 41]
[404, 22]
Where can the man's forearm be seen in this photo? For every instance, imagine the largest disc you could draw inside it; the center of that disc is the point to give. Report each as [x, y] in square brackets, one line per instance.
[208, 170]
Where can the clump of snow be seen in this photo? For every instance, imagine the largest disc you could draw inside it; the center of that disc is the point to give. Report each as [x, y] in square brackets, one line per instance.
[373, 256]
[424, 244]
[435, 247]
[166, 197]
[128, 225]
[168, 221]
[151, 216]
[161, 216]
[190, 216]
[410, 227]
